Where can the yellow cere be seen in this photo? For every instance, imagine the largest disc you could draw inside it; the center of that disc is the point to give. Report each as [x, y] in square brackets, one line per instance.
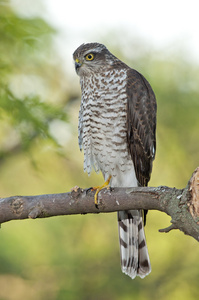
[77, 60]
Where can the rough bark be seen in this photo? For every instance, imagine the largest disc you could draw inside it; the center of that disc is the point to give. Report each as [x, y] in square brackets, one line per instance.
[181, 204]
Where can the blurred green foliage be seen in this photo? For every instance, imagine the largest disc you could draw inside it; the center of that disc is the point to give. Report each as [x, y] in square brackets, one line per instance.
[25, 54]
[77, 257]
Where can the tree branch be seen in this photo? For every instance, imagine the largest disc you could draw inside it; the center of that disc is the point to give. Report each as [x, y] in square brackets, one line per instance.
[181, 204]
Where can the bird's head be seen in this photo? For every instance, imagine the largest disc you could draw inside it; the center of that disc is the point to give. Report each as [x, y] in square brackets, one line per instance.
[92, 57]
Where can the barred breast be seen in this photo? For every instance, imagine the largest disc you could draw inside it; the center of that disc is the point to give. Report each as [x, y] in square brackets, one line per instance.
[102, 127]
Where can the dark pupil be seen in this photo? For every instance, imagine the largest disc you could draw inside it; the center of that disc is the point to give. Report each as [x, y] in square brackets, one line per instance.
[90, 56]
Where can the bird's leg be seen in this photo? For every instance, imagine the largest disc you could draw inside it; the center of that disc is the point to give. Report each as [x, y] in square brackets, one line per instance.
[99, 188]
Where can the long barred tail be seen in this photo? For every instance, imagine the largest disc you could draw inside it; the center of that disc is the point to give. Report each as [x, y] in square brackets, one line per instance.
[133, 249]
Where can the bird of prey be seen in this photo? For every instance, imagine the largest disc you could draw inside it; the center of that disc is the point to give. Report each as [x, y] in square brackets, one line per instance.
[117, 124]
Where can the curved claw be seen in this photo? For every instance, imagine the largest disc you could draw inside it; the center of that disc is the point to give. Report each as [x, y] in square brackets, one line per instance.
[99, 188]
[95, 197]
[87, 190]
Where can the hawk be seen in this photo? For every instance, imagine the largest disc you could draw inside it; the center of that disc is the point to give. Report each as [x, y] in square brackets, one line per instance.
[117, 124]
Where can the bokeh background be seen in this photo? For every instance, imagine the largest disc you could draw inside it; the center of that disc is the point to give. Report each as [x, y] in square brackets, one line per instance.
[77, 257]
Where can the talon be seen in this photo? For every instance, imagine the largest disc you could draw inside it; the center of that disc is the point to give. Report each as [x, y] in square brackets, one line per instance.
[96, 198]
[87, 190]
[110, 188]
[99, 188]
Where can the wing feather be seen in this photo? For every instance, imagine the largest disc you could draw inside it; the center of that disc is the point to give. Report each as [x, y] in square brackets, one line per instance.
[80, 127]
[141, 125]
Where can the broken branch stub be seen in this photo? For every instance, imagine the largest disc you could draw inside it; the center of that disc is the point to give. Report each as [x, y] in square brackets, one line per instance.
[193, 203]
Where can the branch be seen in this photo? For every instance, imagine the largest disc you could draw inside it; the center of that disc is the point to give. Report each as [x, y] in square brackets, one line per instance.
[181, 204]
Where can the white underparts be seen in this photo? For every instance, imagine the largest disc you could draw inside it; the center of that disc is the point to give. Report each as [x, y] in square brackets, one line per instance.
[102, 127]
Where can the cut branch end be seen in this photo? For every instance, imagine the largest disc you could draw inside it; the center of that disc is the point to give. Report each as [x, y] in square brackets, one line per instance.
[194, 191]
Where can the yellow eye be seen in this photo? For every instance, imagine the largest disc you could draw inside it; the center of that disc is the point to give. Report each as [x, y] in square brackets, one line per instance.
[90, 56]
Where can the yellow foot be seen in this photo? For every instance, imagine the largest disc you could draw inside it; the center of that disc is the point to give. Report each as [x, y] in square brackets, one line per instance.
[99, 188]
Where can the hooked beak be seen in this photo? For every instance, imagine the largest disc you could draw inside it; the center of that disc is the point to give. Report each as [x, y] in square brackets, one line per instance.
[77, 64]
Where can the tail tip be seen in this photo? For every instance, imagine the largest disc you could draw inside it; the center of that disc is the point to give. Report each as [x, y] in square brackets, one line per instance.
[140, 272]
